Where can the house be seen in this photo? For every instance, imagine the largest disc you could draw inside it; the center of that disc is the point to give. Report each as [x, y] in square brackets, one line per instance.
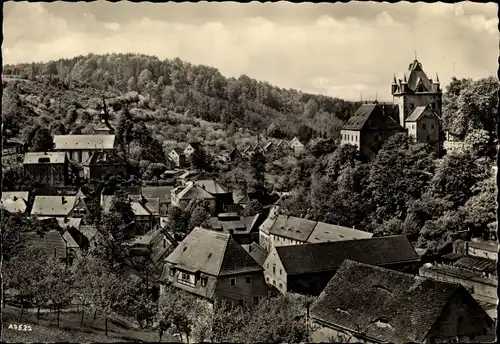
[424, 125]
[182, 195]
[14, 201]
[263, 197]
[370, 304]
[53, 244]
[368, 128]
[235, 155]
[269, 148]
[297, 146]
[59, 206]
[80, 147]
[12, 146]
[223, 196]
[100, 164]
[216, 268]
[244, 229]
[282, 146]
[160, 192]
[85, 236]
[475, 270]
[257, 253]
[146, 211]
[49, 168]
[281, 230]
[178, 157]
[306, 269]
[193, 147]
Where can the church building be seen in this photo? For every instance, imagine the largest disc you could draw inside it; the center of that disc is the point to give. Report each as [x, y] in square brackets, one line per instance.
[417, 106]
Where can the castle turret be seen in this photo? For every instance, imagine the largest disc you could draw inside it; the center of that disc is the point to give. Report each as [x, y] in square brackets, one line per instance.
[436, 85]
[394, 87]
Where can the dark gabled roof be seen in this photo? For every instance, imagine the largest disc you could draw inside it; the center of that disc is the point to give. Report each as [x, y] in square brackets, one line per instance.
[51, 242]
[358, 120]
[212, 253]
[99, 158]
[256, 252]
[329, 256]
[421, 111]
[386, 305]
[178, 151]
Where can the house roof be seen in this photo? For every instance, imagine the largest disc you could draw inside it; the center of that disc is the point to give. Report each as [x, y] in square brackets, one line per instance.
[419, 112]
[386, 305]
[177, 150]
[477, 264]
[212, 186]
[98, 158]
[64, 222]
[50, 242]
[53, 205]
[89, 232]
[256, 252]
[141, 208]
[303, 230]
[70, 242]
[460, 273]
[195, 145]
[192, 190]
[212, 253]
[14, 201]
[188, 174]
[160, 192]
[295, 139]
[44, 158]
[90, 142]
[416, 75]
[309, 258]
[358, 120]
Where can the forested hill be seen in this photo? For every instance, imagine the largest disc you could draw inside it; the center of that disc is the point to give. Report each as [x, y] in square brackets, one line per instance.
[200, 91]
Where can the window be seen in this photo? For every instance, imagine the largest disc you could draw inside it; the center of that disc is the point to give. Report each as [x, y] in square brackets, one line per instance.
[281, 286]
[274, 283]
[232, 282]
[249, 279]
[428, 137]
[432, 126]
[204, 281]
[267, 279]
[172, 272]
[240, 302]
[274, 269]
[255, 300]
[280, 272]
[268, 265]
[412, 106]
[424, 126]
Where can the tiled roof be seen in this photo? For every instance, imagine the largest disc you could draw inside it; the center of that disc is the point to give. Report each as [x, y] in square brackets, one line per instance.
[90, 232]
[450, 270]
[256, 252]
[383, 304]
[53, 205]
[64, 222]
[160, 192]
[477, 264]
[420, 111]
[191, 190]
[291, 227]
[358, 120]
[325, 232]
[211, 253]
[99, 158]
[14, 201]
[178, 151]
[329, 256]
[90, 142]
[51, 242]
[44, 158]
[212, 186]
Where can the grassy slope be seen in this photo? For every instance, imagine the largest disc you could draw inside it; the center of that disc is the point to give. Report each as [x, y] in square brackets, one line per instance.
[45, 330]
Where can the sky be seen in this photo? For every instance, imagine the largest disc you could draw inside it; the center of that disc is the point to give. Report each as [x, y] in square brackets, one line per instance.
[346, 50]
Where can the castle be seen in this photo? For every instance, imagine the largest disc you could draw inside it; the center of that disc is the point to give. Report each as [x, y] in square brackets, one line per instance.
[416, 109]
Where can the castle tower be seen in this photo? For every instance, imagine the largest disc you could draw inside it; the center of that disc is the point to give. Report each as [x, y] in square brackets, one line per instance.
[415, 90]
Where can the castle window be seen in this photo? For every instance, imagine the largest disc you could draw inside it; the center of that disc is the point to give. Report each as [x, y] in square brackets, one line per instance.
[424, 126]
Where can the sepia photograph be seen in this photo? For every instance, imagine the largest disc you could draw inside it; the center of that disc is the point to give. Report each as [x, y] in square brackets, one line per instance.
[261, 172]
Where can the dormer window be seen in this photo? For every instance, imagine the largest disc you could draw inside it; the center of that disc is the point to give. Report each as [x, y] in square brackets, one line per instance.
[204, 281]
[172, 271]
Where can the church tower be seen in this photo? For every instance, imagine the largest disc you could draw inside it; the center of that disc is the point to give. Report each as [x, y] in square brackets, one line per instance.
[415, 90]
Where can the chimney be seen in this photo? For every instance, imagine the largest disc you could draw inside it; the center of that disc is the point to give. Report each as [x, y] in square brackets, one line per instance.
[63, 200]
